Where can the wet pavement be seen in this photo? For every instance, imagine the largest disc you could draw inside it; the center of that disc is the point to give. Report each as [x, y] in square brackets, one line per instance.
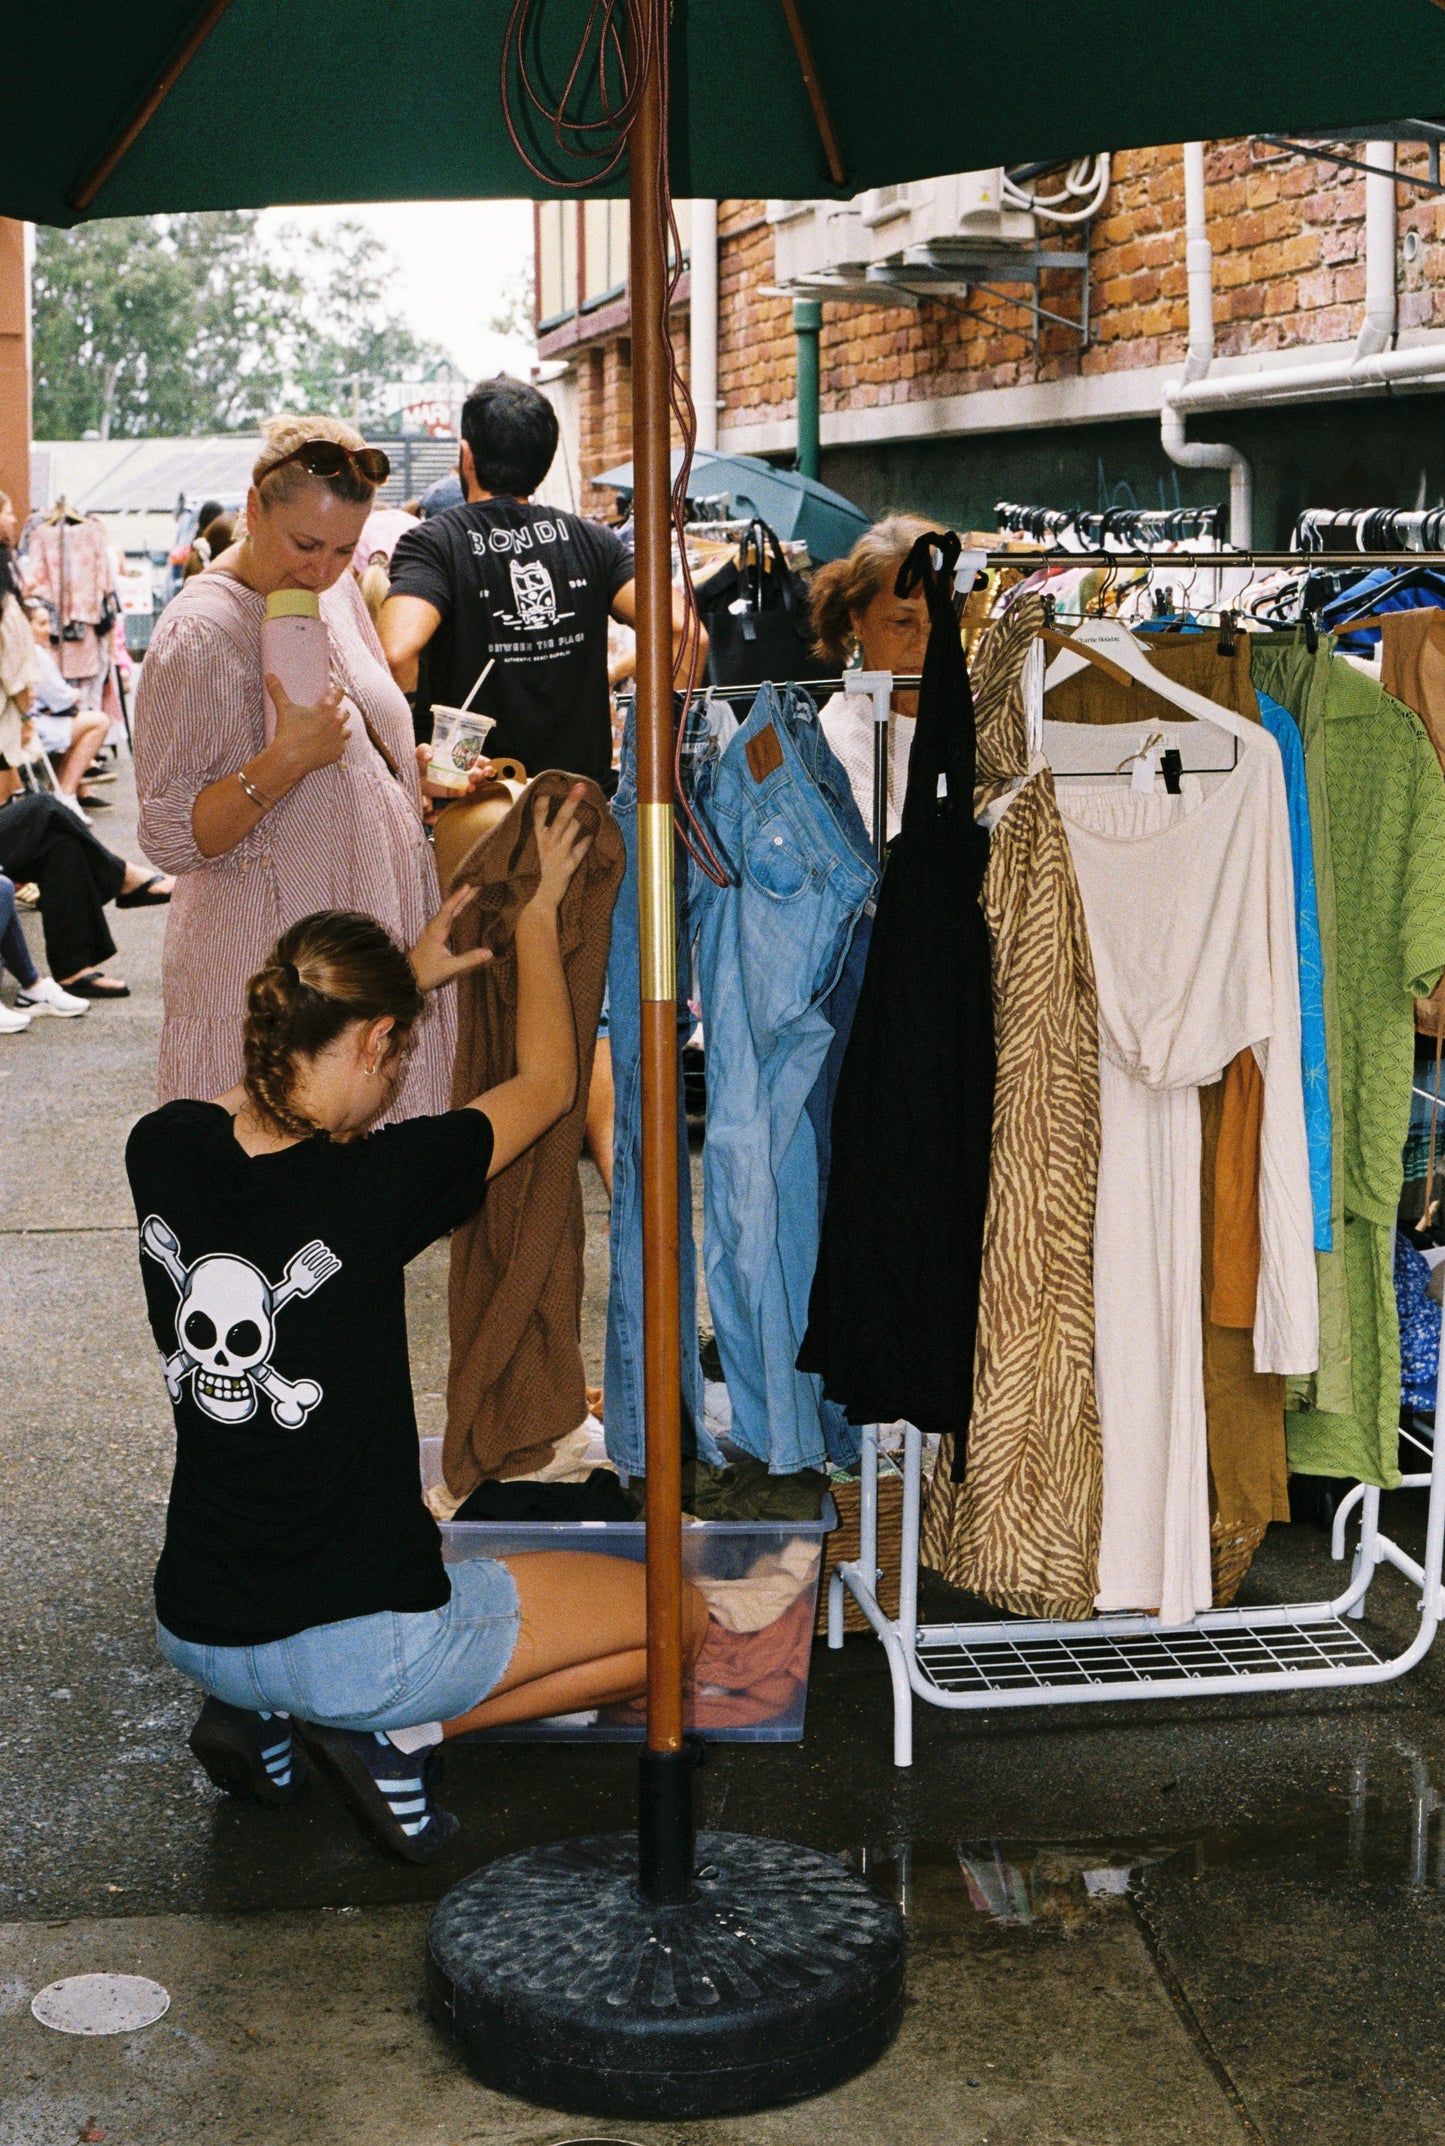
[1208, 1921]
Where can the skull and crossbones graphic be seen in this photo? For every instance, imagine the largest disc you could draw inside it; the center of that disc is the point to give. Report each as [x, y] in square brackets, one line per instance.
[226, 1327]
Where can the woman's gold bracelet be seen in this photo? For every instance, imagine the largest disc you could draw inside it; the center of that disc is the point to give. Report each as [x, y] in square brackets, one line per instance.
[257, 797]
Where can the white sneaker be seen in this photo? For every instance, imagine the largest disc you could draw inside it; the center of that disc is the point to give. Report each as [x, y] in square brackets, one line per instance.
[12, 1021]
[46, 996]
[72, 804]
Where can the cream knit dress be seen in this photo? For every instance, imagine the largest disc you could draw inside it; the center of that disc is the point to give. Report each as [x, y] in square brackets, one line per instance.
[1189, 901]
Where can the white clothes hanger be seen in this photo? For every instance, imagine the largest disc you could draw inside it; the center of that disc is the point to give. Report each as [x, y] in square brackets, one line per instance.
[1113, 639]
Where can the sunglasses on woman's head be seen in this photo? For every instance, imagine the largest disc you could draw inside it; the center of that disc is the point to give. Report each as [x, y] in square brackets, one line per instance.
[328, 458]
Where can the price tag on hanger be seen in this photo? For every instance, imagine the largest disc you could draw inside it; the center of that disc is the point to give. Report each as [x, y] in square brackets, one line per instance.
[1146, 767]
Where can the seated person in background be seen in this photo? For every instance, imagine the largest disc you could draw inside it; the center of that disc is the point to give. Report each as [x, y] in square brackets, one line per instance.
[44, 841]
[42, 993]
[70, 737]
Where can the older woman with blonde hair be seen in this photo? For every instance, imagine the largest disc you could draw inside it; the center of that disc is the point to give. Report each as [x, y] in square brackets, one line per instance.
[327, 814]
[856, 613]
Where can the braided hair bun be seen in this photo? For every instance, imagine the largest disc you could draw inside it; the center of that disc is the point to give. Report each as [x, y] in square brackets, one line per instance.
[322, 976]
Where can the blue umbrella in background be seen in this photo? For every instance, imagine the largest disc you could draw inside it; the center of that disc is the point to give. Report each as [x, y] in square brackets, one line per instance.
[798, 508]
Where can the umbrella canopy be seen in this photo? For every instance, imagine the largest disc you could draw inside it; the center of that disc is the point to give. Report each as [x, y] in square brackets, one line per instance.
[350, 100]
[794, 506]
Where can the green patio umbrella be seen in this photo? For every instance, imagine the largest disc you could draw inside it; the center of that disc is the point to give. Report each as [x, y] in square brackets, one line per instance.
[351, 100]
[601, 1975]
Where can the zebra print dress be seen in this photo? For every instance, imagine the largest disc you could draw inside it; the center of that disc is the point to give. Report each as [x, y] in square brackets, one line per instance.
[1022, 1527]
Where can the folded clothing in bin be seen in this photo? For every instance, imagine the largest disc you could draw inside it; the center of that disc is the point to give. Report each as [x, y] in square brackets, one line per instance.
[742, 1678]
[600, 1497]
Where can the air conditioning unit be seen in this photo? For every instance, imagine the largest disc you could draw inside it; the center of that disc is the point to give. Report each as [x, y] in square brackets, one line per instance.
[816, 238]
[962, 208]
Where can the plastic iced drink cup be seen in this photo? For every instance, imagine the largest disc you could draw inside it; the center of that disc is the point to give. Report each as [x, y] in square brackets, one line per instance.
[458, 741]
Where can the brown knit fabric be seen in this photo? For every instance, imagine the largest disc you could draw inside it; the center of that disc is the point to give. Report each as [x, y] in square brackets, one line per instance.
[1234, 1289]
[1091, 696]
[1248, 1477]
[1412, 668]
[1022, 1528]
[516, 1383]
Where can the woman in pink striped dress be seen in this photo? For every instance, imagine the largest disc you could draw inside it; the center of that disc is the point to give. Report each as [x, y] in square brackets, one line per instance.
[329, 815]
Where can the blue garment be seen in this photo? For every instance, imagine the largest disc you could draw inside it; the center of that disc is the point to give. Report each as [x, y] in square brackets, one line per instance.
[769, 951]
[842, 1438]
[393, 1670]
[623, 1374]
[1419, 1326]
[14, 953]
[1428, 591]
[1314, 1066]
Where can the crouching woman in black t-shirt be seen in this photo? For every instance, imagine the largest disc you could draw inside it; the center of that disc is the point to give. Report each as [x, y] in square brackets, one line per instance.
[302, 1575]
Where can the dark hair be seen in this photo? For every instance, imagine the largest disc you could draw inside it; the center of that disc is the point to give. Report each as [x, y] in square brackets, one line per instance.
[210, 508]
[512, 432]
[326, 972]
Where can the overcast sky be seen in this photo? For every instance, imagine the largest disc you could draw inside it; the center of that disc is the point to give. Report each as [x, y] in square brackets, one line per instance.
[456, 261]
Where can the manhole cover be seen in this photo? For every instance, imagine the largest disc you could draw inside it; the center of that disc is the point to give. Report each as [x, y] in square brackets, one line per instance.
[101, 2004]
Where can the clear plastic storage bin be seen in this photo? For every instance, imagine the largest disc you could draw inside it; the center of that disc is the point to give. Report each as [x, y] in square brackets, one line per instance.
[760, 1578]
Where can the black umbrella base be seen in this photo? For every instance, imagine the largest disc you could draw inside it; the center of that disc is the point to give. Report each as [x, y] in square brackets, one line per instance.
[781, 1977]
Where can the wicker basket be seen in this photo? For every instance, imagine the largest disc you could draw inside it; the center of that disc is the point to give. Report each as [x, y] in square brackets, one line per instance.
[842, 1546]
[1231, 1553]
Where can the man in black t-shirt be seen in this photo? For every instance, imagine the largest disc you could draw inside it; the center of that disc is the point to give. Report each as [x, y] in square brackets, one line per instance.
[529, 586]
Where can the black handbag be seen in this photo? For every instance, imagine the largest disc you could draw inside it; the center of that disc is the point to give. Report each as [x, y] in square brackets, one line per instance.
[756, 614]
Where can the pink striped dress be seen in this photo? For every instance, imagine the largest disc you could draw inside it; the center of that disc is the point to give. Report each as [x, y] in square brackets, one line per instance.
[348, 836]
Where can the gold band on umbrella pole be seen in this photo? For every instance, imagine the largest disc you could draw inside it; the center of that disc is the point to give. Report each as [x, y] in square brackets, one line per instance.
[656, 903]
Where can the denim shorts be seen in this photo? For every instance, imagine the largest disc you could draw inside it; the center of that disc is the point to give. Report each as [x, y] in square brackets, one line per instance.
[394, 1670]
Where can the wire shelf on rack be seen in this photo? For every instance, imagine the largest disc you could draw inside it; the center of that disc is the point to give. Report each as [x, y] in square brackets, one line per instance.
[952, 1662]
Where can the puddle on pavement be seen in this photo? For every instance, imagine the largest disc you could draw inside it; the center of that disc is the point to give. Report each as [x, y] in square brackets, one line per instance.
[1384, 1822]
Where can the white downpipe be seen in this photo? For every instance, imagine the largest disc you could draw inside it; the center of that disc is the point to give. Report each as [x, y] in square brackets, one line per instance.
[1198, 266]
[1312, 383]
[1199, 269]
[702, 321]
[1378, 331]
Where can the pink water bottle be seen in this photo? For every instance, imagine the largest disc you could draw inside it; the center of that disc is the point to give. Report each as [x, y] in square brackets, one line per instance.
[295, 649]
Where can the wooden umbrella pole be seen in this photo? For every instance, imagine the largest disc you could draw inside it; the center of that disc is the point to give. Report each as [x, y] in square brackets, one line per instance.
[665, 1843]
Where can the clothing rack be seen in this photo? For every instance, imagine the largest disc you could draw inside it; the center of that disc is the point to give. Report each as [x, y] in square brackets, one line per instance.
[1057, 557]
[1159, 524]
[1372, 529]
[879, 686]
[977, 1668]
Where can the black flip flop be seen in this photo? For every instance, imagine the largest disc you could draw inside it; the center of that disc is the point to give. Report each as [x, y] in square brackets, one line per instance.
[97, 804]
[143, 896]
[91, 984]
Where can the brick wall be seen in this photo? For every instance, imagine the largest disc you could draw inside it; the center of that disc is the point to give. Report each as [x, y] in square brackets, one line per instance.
[1289, 271]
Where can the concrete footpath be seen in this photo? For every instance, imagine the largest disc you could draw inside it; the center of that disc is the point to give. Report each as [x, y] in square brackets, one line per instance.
[1143, 1926]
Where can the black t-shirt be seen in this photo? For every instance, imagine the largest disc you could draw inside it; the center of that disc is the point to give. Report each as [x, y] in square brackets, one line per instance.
[277, 1298]
[532, 587]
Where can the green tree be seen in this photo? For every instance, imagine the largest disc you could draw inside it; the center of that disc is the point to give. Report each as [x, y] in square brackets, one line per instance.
[156, 325]
[192, 324]
[348, 349]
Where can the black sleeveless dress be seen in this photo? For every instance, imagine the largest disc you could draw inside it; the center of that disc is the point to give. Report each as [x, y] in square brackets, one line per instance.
[894, 1306]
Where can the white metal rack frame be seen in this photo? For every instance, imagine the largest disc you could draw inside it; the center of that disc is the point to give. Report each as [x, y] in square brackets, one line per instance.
[973, 1668]
[1302, 1646]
